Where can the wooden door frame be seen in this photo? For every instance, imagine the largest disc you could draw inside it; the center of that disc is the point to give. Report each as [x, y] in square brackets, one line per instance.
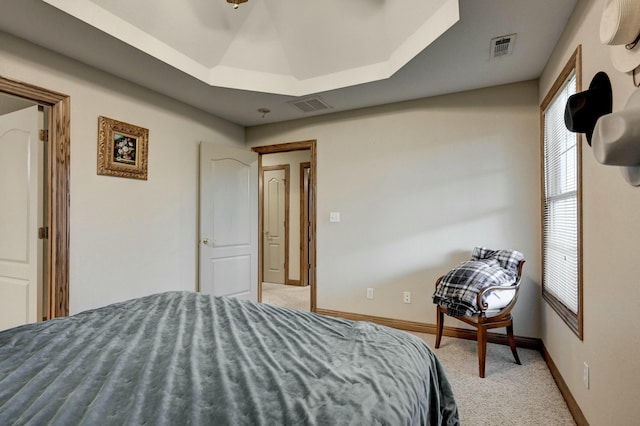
[304, 219]
[287, 174]
[57, 170]
[287, 147]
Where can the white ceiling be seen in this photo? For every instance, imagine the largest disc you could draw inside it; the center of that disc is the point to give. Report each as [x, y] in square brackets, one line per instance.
[353, 54]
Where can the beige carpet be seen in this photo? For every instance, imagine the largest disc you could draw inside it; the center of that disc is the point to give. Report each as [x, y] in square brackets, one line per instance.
[510, 394]
[290, 296]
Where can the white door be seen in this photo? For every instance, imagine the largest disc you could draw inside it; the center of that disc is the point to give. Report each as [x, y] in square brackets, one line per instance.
[20, 217]
[274, 185]
[228, 221]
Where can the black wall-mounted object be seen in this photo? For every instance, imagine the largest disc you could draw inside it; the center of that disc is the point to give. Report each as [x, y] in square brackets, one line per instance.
[583, 109]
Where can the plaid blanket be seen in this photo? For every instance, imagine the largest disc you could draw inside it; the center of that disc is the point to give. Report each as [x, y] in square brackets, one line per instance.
[458, 290]
[508, 259]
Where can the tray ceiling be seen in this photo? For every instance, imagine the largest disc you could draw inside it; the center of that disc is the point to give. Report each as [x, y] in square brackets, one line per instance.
[275, 46]
[277, 53]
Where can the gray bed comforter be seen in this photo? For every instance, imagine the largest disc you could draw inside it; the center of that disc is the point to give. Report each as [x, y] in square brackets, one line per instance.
[181, 358]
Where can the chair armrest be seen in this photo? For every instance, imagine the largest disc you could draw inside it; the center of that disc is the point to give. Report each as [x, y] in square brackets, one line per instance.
[482, 305]
[515, 286]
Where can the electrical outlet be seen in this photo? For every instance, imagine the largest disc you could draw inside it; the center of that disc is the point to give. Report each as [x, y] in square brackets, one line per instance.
[407, 297]
[369, 293]
[585, 375]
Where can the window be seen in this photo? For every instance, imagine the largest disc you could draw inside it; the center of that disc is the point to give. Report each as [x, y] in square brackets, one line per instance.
[561, 209]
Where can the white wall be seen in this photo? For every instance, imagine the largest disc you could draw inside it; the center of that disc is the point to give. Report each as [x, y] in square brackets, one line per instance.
[293, 159]
[418, 185]
[129, 237]
[611, 231]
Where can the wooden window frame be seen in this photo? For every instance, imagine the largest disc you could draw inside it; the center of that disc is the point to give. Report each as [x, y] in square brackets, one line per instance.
[573, 321]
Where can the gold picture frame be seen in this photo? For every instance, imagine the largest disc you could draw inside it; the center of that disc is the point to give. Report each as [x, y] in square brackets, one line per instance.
[122, 149]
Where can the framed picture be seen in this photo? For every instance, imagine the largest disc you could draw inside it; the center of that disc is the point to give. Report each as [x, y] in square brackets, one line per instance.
[122, 149]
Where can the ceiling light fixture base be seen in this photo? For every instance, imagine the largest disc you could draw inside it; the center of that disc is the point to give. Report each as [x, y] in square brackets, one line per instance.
[236, 3]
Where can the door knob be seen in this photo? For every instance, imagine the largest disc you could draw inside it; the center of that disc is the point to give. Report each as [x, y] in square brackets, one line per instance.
[205, 241]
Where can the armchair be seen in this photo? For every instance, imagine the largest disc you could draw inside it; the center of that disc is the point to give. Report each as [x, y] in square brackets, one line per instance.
[488, 318]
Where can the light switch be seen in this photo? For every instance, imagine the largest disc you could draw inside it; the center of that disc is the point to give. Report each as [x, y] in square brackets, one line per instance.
[334, 217]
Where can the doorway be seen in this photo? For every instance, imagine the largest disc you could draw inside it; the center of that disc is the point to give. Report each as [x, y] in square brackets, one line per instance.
[300, 254]
[55, 231]
[305, 223]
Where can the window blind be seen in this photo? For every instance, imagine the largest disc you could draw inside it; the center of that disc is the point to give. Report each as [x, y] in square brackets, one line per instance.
[560, 214]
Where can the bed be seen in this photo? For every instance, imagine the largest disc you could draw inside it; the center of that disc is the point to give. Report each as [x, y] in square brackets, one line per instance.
[181, 358]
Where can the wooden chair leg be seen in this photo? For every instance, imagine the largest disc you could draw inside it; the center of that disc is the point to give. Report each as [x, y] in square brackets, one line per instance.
[482, 348]
[512, 343]
[439, 325]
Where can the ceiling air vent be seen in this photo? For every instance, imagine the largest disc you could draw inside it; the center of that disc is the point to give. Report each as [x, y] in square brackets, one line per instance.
[502, 46]
[310, 104]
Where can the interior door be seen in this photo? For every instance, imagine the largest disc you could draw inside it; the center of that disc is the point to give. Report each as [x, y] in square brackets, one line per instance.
[274, 181]
[20, 216]
[228, 221]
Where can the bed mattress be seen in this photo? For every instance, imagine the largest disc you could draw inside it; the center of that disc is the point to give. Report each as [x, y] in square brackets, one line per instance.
[183, 358]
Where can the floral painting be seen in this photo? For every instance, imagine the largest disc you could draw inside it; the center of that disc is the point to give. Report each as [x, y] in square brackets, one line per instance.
[122, 149]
